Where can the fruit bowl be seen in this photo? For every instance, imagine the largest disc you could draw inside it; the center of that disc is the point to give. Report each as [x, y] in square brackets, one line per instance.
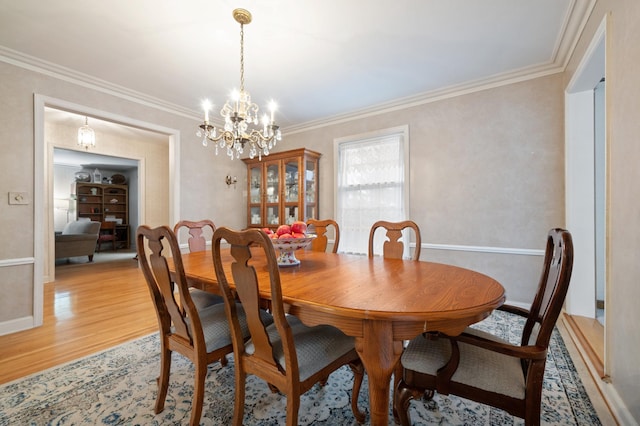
[287, 248]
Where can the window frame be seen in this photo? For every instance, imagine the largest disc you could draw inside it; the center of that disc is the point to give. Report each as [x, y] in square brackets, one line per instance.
[400, 131]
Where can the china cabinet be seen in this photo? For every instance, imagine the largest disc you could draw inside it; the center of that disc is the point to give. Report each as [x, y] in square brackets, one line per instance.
[282, 188]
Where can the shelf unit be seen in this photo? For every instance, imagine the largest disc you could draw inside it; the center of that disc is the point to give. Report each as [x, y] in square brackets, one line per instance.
[103, 203]
[282, 188]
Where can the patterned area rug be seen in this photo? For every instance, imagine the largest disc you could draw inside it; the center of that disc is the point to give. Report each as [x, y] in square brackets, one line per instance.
[118, 386]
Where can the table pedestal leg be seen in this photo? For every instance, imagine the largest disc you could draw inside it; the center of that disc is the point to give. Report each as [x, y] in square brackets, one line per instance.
[379, 354]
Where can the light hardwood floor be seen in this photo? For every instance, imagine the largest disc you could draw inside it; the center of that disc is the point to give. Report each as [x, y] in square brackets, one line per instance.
[88, 308]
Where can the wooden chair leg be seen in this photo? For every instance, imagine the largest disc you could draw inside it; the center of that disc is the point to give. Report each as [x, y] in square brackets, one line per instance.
[293, 406]
[163, 379]
[358, 376]
[198, 393]
[238, 406]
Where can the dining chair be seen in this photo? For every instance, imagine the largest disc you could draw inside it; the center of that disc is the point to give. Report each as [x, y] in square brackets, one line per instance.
[392, 247]
[479, 366]
[107, 234]
[319, 228]
[290, 356]
[201, 335]
[197, 241]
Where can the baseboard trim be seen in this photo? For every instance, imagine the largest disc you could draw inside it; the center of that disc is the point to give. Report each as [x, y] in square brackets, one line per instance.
[615, 404]
[15, 325]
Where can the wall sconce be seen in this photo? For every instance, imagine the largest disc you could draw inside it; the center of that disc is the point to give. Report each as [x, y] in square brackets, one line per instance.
[231, 180]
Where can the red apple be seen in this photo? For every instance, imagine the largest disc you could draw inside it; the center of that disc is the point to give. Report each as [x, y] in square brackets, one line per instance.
[283, 229]
[267, 231]
[297, 235]
[284, 236]
[299, 227]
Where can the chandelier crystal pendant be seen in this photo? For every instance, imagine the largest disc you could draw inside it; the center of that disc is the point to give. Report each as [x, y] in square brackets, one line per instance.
[86, 135]
[240, 116]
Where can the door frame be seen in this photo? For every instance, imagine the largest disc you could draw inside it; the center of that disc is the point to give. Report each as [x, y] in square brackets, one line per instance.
[580, 178]
[43, 186]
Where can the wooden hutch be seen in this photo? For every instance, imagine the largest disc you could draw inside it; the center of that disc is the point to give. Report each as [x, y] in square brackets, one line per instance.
[282, 188]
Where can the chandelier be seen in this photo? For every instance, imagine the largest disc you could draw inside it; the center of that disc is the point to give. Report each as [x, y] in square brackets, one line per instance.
[86, 135]
[241, 125]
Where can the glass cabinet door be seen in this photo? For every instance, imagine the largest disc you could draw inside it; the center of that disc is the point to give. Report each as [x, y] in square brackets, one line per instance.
[255, 195]
[310, 188]
[256, 185]
[273, 183]
[291, 189]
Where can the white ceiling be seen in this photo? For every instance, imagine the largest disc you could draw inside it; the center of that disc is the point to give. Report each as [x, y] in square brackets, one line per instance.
[318, 59]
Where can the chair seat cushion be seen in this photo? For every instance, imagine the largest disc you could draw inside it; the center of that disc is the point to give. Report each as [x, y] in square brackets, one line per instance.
[478, 367]
[215, 326]
[316, 347]
[203, 299]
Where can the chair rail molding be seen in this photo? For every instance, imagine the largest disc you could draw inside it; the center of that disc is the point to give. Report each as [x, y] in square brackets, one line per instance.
[483, 249]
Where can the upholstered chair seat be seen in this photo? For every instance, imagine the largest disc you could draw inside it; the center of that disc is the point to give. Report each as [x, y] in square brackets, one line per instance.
[315, 347]
[491, 371]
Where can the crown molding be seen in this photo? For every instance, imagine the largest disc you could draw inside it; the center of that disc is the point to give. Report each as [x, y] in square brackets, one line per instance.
[574, 22]
[50, 69]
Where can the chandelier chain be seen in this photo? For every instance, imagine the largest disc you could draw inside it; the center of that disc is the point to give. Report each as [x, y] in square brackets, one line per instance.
[241, 58]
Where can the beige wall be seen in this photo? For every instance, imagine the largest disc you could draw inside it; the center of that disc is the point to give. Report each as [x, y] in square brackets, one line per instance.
[623, 150]
[201, 191]
[487, 171]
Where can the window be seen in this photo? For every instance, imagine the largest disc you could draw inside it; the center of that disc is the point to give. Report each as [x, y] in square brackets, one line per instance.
[371, 184]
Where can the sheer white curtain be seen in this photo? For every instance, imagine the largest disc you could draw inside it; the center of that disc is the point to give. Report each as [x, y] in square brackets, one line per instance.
[371, 185]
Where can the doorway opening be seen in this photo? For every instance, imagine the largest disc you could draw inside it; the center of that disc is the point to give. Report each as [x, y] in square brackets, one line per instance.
[158, 175]
[586, 199]
[73, 172]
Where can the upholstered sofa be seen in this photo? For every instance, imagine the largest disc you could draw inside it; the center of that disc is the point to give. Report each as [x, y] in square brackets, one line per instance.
[78, 238]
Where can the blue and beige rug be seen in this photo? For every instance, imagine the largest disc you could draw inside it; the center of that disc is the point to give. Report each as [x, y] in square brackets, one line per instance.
[118, 386]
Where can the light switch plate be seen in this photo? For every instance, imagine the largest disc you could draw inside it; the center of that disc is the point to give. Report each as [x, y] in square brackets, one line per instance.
[18, 198]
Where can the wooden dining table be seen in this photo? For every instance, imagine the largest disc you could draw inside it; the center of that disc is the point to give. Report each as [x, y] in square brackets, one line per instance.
[380, 302]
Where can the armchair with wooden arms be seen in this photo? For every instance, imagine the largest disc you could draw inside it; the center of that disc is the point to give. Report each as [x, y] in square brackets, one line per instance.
[484, 368]
[290, 356]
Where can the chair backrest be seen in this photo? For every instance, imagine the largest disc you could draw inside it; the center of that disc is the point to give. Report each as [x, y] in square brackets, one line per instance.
[110, 227]
[319, 227]
[174, 317]
[197, 241]
[552, 289]
[392, 248]
[242, 270]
